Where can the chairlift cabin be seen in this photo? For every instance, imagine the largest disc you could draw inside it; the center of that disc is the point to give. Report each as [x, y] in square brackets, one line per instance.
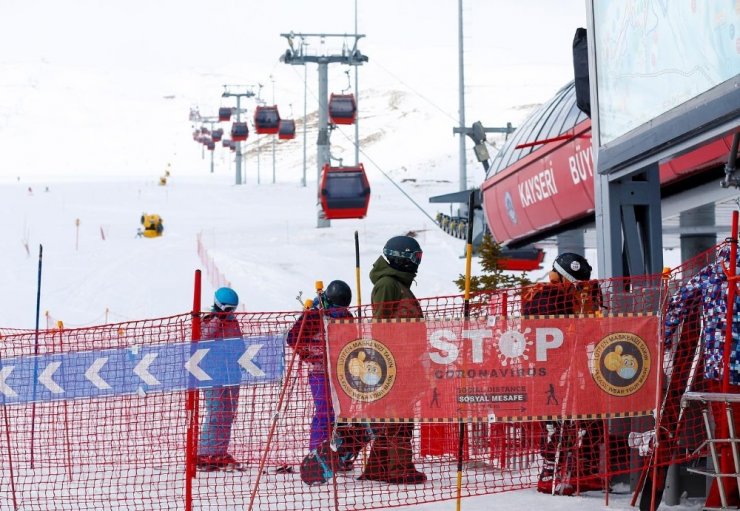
[224, 114]
[239, 131]
[342, 108]
[345, 192]
[266, 120]
[286, 131]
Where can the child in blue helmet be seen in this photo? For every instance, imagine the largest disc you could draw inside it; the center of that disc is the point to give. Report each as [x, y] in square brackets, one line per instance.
[220, 402]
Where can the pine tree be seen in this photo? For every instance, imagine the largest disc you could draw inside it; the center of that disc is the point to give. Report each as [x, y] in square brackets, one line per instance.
[493, 277]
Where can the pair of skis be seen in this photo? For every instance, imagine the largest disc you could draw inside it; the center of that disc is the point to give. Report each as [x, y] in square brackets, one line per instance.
[229, 467]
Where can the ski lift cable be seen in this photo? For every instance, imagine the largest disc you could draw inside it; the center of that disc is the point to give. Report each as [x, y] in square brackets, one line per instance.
[367, 157]
[422, 96]
[393, 182]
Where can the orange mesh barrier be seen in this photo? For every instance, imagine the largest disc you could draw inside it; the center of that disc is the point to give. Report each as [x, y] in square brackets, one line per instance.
[96, 418]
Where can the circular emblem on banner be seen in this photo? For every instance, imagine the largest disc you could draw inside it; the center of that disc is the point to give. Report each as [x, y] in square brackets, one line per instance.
[621, 363]
[366, 370]
[509, 205]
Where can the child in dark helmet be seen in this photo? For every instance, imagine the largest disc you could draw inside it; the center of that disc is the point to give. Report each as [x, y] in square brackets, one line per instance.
[306, 337]
[569, 292]
[220, 402]
[391, 456]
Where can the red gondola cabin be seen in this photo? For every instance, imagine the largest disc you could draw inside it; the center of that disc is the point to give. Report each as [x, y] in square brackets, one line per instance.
[342, 108]
[286, 131]
[266, 120]
[239, 131]
[345, 192]
[224, 114]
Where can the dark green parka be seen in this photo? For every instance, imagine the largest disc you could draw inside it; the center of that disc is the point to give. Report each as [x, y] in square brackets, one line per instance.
[392, 296]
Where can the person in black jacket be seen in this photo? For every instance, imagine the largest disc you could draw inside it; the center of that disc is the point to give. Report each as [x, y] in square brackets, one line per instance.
[569, 291]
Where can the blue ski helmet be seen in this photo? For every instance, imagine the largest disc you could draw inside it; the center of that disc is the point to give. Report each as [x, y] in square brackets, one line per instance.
[225, 299]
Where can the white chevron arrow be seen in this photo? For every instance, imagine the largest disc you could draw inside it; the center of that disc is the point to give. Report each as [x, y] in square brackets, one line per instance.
[46, 378]
[142, 369]
[92, 373]
[246, 360]
[192, 365]
[5, 388]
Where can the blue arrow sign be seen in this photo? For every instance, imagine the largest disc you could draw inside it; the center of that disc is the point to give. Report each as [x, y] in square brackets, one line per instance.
[142, 369]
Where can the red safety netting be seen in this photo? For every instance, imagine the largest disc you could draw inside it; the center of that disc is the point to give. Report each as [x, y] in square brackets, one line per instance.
[566, 412]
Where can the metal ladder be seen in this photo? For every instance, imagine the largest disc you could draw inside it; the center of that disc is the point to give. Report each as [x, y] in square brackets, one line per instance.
[704, 399]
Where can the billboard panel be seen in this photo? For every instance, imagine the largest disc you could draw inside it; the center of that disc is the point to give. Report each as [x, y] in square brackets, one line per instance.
[654, 55]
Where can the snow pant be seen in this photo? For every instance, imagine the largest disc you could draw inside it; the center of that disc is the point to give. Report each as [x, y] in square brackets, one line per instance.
[391, 456]
[323, 415]
[215, 432]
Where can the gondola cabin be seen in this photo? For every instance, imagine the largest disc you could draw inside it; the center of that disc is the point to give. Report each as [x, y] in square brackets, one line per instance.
[345, 192]
[239, 131]
[210, 145]
[217, 135]
[342, 108]
[224, 114]
[286, 131]
[266, 120]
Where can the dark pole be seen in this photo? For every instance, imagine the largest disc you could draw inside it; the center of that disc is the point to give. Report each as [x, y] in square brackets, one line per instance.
[466, 315]
[36, 351]
[357, 275]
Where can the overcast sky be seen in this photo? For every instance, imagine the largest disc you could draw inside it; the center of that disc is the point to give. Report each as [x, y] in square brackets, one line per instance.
[87, 70]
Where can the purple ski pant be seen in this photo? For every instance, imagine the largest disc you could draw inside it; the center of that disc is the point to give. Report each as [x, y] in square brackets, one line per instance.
[323, 415]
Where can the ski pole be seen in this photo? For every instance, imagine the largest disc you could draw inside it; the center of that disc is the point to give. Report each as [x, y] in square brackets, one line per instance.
[357, 275]
[36, 352]
[284, 392]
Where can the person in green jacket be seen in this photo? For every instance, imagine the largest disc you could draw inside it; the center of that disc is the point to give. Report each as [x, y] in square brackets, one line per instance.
[391, 456]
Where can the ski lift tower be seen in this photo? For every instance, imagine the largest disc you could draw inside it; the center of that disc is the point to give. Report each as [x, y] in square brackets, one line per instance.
[296, 56]
[238, 95]
[211, 121]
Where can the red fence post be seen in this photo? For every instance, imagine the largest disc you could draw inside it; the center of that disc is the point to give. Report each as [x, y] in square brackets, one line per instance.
[191, 404]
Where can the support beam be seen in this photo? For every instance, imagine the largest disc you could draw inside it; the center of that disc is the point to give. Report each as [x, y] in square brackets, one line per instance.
[629, 222]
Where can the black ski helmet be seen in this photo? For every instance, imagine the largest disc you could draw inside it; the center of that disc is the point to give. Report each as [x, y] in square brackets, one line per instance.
[403, 253]
[338, 293]
[572, 266]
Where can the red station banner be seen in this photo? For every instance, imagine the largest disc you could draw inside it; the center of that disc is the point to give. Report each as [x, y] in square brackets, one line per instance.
[494, 369]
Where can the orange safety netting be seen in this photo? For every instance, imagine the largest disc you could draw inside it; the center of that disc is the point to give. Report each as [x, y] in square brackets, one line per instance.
[554, 388]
